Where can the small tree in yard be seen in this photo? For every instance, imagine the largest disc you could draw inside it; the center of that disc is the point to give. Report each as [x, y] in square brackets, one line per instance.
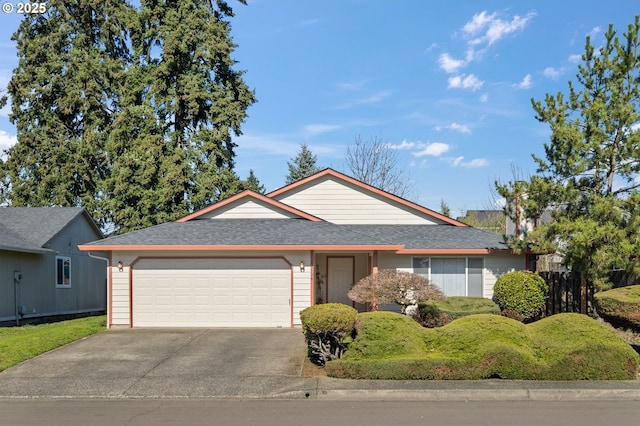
[391, 286]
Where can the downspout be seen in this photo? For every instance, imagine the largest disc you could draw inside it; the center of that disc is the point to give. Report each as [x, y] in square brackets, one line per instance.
[108, 260]
[15, 299]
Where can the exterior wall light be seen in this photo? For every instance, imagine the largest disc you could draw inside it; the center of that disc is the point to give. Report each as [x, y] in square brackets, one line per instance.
[302, 266]
[120, 266]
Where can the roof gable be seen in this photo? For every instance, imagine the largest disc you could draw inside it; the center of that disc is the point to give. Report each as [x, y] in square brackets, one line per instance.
[249, 205]
[31, 228]
[339, 198]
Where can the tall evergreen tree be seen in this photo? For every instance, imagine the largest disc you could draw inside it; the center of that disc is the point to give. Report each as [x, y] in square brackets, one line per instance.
[64, 95]
[184, 103]
[127, 111]
[303, 165]
[589, 176]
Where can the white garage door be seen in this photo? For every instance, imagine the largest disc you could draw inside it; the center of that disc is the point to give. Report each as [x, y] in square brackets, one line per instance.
[211, 293]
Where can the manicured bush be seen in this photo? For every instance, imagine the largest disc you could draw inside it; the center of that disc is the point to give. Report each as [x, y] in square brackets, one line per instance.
[391, 286]
[436, 313]
[620, 306]
[560, 347]
[325, 328]
[522, 292]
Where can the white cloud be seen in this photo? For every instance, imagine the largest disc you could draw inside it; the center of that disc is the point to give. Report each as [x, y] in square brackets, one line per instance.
[473, 164]
[434, 149]
[6, 142]
[318, 129]
[449, 64]
[465, 82]
[462, 128]
[488, 29]
[594, 31]
[575, 59]
[525, 83]
[479, 21]
[484, 98]
[552, 73]
[402, 145]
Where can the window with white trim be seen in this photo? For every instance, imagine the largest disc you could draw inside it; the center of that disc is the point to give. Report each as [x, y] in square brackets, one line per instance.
[455, 276]
[63, 271]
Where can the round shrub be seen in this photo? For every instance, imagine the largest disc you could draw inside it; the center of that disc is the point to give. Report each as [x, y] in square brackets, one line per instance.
[524, 293]
[325, 327]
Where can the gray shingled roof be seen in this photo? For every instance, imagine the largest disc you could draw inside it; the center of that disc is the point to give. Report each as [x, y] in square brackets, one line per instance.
[31, 228]
[242, 232]
[303, 232]
[433, 236]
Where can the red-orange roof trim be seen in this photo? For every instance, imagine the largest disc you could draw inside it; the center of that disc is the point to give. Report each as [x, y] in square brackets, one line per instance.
[251, 194]
[454, 251]
[236, 247]
[385, 194]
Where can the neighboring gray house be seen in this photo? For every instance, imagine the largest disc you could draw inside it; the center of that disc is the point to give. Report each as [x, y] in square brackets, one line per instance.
[42, 272]
[256, 260]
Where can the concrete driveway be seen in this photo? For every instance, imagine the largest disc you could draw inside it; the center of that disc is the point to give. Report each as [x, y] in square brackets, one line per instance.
[168, 363]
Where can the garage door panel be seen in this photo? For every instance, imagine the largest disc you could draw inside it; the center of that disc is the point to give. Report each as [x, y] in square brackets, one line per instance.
[212, 293]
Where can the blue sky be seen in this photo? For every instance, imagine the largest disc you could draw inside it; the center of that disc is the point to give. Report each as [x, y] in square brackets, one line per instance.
[446, 84]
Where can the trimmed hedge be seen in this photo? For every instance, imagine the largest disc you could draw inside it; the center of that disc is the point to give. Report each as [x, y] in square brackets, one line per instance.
[620, 306]
[436, 313]
[325, 327]
[521, 293]
[562, 347]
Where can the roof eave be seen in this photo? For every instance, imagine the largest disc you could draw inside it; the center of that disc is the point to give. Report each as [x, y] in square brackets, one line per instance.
[27, 250]
[456, 251]
[283, 247]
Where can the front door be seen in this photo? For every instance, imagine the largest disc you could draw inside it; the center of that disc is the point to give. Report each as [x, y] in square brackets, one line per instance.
[339, 279]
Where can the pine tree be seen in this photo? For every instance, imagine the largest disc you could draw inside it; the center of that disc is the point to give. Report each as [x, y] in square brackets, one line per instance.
[588, 177]
[254, 184]
[303, 165]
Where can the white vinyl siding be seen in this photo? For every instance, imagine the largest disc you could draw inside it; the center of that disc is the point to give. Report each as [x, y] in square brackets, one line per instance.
[342, 203]
[248, 209]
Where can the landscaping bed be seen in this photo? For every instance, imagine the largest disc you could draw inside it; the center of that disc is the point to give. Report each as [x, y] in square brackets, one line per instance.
[560, 347]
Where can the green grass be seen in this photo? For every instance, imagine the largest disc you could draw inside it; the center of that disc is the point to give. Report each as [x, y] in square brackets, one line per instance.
[18, 344]
[436, 313]
[561, 347]
[620, 306]
[459, 306]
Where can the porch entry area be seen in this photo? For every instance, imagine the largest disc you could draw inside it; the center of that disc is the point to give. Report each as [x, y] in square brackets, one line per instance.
[335, 275]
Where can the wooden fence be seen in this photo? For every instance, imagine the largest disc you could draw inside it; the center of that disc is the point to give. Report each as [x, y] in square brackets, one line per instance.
[568, 293]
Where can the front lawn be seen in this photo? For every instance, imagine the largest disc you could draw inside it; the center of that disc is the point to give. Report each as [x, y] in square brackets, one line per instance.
[560, 347]
[18, 344]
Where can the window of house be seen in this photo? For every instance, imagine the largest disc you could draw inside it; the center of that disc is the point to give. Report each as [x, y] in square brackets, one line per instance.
[421, 266]
[455, 276]
[63, 271]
